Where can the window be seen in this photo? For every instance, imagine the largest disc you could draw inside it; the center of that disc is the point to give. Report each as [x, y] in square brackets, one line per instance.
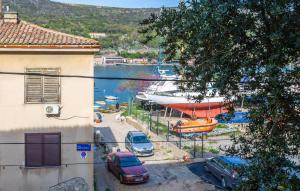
[42, 149]
[140, 139]
[129, 137]
[42, 89]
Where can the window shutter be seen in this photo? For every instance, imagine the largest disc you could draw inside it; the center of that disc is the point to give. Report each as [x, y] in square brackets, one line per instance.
[33, 150]
[52, 152]
[33, 86]
[42, 89]
[51, 91]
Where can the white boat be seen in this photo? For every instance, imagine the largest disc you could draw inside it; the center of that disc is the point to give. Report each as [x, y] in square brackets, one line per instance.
[184, 102]
[168, 94]
[182, 98]
[160, 87]
[111, 98]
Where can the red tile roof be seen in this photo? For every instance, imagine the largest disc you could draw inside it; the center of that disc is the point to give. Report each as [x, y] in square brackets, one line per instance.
[27, 35]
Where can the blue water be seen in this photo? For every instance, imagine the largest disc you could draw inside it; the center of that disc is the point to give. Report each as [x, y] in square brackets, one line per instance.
[121, 88]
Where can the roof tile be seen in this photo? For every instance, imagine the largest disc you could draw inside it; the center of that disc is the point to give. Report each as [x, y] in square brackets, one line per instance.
[27, 35]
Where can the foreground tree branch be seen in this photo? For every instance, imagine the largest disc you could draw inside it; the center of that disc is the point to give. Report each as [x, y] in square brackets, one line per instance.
[253, 43]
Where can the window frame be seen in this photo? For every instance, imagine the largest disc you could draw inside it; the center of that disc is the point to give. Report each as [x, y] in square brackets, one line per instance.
[42, 72]
[43, 165]
[129, 137]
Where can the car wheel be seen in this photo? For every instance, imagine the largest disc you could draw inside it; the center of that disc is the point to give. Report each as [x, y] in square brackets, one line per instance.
[121, 179]
[223, 181]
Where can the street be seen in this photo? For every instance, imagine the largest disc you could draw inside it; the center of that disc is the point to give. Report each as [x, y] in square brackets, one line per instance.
[165, 172]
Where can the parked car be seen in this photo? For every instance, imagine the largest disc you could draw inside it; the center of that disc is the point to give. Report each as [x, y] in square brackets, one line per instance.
[138, 143]
[127, 167]
[225, 169]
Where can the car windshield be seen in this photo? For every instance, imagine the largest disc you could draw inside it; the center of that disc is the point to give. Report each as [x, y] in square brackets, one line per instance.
[129, 161]
[233, 162]
[140, 139]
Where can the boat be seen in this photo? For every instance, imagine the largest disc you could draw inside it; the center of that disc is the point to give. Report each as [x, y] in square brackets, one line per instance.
[168, 94]
[101, 102]
[185, 103]
[194, 126]
[111, 98]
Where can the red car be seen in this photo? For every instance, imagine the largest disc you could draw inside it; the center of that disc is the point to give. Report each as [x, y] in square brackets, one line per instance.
[127, 167]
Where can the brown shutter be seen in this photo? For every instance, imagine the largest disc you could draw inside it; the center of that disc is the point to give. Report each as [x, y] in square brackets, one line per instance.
[33, 86]
[51, 91]
[33, 150]
[51, 149]
[42, 89]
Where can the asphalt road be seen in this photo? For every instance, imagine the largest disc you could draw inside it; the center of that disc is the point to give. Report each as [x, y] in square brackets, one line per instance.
[165, 175]
[198, 169]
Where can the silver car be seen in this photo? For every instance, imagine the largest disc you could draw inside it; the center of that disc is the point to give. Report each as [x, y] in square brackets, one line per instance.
[138, 143]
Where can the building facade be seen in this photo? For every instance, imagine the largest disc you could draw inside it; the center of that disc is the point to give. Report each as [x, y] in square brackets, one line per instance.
[44, 117]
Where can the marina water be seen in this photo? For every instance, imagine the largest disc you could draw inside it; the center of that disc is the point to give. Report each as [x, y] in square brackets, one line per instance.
[123, 89]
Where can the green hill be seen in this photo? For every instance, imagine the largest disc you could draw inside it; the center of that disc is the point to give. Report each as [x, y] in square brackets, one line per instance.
[120, 24]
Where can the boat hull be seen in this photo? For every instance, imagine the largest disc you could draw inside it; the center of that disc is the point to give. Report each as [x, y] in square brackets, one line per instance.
[200, 110]
[204, 126]
[208, 107]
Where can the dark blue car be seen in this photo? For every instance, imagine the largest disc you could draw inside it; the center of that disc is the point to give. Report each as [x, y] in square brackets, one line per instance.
[225, 168]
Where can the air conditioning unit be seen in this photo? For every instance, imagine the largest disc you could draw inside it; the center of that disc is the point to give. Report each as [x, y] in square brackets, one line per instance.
[52, 109]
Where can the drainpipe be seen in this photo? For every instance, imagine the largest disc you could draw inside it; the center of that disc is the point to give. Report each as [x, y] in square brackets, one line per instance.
[1, 15]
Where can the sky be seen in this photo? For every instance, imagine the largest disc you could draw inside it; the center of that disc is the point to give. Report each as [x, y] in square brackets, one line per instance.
[126, 3]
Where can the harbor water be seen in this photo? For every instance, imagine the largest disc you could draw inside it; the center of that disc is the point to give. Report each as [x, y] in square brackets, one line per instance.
[123, 89]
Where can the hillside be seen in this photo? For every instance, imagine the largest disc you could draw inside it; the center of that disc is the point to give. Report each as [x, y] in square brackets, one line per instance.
[120, 24]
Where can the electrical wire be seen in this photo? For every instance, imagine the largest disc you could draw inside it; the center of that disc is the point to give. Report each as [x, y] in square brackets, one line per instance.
[103, 146]
[108, 142]
[68, 118]
[92, 163]
[99, 77]
[90, 77]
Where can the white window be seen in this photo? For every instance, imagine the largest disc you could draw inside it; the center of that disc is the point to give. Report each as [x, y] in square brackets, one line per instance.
[42, 89]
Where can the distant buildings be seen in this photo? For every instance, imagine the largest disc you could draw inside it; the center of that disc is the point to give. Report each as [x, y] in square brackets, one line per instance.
[114, 60]
[138, 61]
[102, 60]
[97, 35]
[43, 113]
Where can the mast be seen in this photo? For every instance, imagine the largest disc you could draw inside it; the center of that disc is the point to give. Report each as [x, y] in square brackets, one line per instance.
[160, 60]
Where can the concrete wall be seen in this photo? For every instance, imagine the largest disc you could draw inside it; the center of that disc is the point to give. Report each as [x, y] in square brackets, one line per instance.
[17, 118]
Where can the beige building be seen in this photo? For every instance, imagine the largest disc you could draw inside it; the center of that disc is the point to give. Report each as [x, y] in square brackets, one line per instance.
[42, 118]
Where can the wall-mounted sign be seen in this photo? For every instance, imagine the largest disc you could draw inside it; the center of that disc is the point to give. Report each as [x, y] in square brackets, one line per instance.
[83, 154]
[83, 147]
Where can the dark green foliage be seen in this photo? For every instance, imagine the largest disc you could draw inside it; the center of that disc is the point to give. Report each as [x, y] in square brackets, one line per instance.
[149, 55]
[120, 24]
[230, 40]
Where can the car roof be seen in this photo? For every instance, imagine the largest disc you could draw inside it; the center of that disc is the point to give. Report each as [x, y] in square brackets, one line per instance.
[124, 154]
[137, 133]
[233, 160]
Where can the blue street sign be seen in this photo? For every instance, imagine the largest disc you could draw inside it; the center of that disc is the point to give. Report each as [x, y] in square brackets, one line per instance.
[83, 147]
[83, 154]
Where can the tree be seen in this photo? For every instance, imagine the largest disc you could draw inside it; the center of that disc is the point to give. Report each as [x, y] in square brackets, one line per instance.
[244, 43]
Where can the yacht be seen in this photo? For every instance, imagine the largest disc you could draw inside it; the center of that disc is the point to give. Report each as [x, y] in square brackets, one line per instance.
[188, 104]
